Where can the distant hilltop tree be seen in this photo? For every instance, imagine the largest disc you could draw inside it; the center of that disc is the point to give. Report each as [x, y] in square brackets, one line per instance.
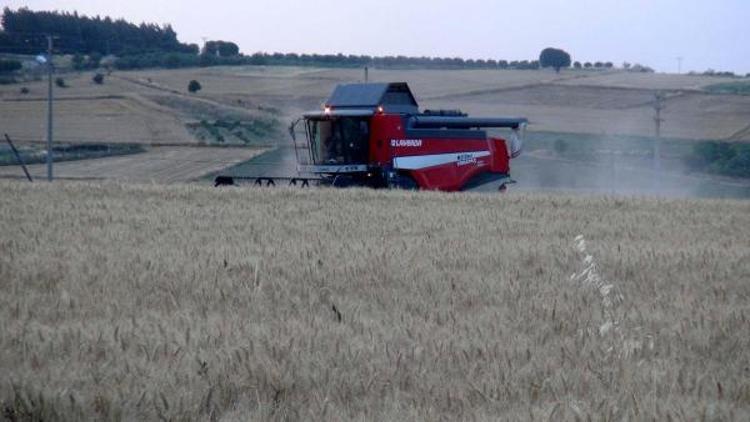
[554, 58]
[221, 49]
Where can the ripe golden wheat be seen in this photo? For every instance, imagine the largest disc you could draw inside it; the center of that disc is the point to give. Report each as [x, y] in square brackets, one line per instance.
[185, 302]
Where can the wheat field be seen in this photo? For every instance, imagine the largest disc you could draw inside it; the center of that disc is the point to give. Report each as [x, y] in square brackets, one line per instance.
[128, 302]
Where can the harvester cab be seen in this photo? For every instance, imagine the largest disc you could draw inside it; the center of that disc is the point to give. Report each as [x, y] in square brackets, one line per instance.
[374, 135]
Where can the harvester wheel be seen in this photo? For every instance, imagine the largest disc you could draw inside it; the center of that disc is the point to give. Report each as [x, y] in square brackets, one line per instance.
[405, 182]
[223, 181]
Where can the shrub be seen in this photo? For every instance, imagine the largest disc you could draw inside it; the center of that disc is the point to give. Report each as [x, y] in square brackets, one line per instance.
[60, 82]
[194, 86]
[560, 146]
[24, 90]
[98, 79]
[94, 61]
[8, 66]
[730, 159]
[78, 61]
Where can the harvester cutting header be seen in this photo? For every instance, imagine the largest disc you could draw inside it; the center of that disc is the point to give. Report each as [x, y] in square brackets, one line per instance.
[374, 135]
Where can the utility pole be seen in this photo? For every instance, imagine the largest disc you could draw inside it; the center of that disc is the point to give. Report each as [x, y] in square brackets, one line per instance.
[49, 108]
[679, 65]
[659, 98]
[367, 76]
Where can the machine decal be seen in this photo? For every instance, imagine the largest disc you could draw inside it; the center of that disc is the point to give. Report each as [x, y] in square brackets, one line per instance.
[424, 161]
[414, 143]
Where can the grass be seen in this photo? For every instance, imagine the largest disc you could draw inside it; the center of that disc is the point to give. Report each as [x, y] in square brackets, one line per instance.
[191, 303]
[737, 88]
[255, 132]
[593, 147]
[35, 154]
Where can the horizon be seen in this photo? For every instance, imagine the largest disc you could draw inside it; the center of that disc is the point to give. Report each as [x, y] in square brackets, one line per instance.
[654, 35]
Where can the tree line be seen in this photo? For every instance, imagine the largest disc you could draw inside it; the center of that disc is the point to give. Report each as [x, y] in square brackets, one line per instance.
[24, 32]
[175, 60]
[148, 45]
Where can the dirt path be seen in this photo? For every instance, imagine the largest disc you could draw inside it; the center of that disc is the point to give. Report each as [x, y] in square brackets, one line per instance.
[158, 165]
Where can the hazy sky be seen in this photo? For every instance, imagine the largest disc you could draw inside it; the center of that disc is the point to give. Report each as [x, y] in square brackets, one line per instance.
[708, 34]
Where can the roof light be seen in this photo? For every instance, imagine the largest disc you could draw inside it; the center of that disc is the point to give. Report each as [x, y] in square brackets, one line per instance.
[327, 110]
[380, 109]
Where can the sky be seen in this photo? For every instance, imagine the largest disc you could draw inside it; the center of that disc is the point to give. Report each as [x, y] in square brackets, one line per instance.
[706, 34]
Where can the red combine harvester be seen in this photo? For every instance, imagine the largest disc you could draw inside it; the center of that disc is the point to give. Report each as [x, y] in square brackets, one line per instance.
[374, 135]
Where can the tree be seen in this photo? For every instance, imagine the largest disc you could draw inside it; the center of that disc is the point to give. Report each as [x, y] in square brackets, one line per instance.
[609, 65]
[554, 58]
[587, 65]
[221, 49]
[577, 65]
[78, 61]
[95, 59]
[194, 86]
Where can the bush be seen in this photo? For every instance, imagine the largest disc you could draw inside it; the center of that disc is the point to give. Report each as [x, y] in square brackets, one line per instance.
[729, 159]
[98, 79]
[194, 86]
[8, 66]
[60, 82]
[24, 90]
[94, 61]
[79, 61]
[560, 146]
[737, 88]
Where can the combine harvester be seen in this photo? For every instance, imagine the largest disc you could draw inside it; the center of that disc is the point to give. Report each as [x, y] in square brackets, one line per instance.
[374, 135]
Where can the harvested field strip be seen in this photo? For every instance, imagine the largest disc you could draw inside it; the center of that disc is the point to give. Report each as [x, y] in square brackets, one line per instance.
[67, 98]
[146, 302]
[161, 165]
